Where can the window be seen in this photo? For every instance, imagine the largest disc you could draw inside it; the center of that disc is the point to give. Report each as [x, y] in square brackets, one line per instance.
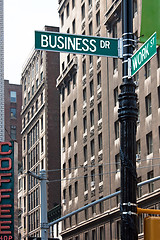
[93, 175]
[62, 19]
[74, 26]
[92, 148]
[93, 210]
[76, 189]
[139, 189]
[98, 19]
[90, 29]
[67, 10]
[101, 233]
[64, 144]
[63, 119]
[73, 3]
[150, 185]
[13, 113]
[92, 118]
[64, 194]
[75, 134]
[41, 76]
[86, 217]
[115, 96]
[42, 145]
[91, 88]
[13, 132]
[116, 129]
[158, 96]
[99, 78]
[70, 165]
[115, 30]
[63, 94]
[100, 169]
[13, 96]
[89, 2]
[75, 161]
[75, 106]
[117, 162]
[41, 98]
[84, 94]
[70, 192]
[147, 69]
[37, 105]
[68, 87]
[37, 83]
[42, 122]
[99, 110]
[69, 113]
[118, 230]
[100, 144]
[85, 182]
[148, 105]
[85, 153]
[149, 143]
[74, 80]
[115, 65]
[24, 84]
[134, 7]
[91, 61]
[118, 196]
[83, 11]
[84, 67]
[101, 206]
[28, 116]
[138, 147]
[159, 136]
[32, 89]
[69, 139]
[84, 124]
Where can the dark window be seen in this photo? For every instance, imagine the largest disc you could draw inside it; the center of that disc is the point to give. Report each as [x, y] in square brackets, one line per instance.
[92, 118]
[115, 65]
[69, 113]
[83, 11]
[90, 29]
[99, 111]
[75, 161]
[13, 132]
[69, 139]
[148, 69]
[76, 189]
[148, 105]
[100, 169]
[63, 119]
[67, 10]
[75, 134]
[74, 26]
[84, 124]
[100, 144]
[92, 148]
[150, 185]
[99, 79]
[98, 19]
[85, 153]
[73, 3]
[70, 192]
[84, 94]
[91, 88]
[115, 96]
[62, 19]
[70, 165]
[86, 182]
[116, 129]
[84, 67]
[158, 96]
[117, 162]
[149, 143]
[13, 113]
[75, 106]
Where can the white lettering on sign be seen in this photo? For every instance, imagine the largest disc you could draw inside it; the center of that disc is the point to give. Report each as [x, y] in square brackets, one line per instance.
[68, 43]
[140, 57]
[105, 44]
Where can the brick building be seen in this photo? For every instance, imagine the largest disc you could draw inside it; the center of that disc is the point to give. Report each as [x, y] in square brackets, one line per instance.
[90, 131]
[40, 136]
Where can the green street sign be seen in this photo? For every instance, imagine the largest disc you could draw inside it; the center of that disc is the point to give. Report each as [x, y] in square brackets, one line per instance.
[142, 56]
[78, 44]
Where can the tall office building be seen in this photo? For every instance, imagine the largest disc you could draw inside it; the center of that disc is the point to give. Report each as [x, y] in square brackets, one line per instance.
[13, 122]
[40, 138]
[1, 72]
[90, 131]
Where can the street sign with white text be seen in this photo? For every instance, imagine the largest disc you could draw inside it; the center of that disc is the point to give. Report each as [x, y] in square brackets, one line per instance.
[142, 56]
[78, 44]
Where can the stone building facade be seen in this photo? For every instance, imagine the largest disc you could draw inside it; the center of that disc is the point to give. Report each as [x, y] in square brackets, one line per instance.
[40, 137]
[90, 132]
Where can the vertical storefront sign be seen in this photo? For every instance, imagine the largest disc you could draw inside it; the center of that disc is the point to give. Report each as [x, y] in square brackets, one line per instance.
[6, 190]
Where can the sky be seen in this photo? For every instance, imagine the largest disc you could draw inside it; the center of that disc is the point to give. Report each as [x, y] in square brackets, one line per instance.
[21, 19]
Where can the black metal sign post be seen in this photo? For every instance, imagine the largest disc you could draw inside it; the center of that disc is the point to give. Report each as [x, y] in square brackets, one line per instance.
[128, 116]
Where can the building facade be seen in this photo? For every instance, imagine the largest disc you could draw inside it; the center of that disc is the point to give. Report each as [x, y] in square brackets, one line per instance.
[2, 133]
[90, 131]
[13, 103]
[40, 137]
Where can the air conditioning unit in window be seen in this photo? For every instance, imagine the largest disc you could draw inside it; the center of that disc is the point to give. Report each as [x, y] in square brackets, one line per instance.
[138, 157]
[92, 183]
[63, 201]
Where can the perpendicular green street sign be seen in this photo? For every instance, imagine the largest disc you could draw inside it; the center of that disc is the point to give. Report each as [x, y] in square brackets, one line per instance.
[78, 44]
[142, 56]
